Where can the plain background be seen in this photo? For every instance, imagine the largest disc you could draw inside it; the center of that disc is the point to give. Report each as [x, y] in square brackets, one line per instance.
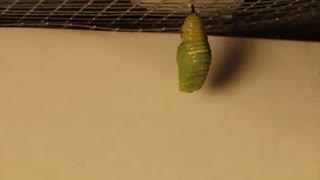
[79, 105]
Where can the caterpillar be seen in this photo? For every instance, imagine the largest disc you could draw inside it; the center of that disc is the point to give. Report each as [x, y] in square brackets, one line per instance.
[193, 54]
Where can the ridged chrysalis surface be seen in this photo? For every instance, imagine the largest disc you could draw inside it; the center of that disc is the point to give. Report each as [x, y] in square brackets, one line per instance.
[194, 54]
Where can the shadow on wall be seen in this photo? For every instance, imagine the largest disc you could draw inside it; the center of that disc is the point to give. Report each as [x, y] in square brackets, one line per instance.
[228, 63]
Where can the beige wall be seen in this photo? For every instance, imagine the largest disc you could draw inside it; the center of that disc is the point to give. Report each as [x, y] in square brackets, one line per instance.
[84, 105]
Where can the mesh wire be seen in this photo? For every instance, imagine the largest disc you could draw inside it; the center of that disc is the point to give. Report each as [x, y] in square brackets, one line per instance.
[293, 19]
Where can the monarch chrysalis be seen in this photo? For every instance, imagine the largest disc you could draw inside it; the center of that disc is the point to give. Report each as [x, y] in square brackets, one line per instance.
[194, 54]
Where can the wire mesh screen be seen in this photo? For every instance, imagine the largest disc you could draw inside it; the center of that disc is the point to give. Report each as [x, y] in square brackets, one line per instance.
[294, 19]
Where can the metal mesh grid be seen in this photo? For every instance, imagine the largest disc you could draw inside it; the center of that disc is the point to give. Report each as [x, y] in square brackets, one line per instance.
[294, 19]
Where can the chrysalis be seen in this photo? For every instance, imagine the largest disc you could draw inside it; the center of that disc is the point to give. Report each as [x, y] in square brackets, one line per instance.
[194, 54]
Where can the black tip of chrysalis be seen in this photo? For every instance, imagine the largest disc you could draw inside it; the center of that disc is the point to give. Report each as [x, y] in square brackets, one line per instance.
[192, 9]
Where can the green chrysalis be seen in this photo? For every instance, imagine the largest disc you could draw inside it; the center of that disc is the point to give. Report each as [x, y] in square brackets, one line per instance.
[194, 54]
